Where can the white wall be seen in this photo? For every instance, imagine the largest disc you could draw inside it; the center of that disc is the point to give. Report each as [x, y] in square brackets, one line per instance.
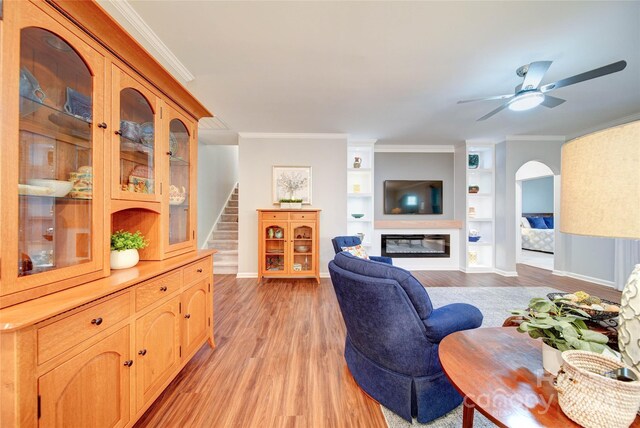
[217, 175]
[326, 154]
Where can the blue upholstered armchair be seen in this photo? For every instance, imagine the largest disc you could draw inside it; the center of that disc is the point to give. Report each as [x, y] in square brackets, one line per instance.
[340, 242]
[393, 333]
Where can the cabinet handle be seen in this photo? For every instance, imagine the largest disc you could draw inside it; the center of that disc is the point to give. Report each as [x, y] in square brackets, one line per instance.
[142, 352]
[187, 316]
[118, 132]
[128, 363]
[102, 125]
[199, 270]
[163, 288]
[96, 321]
[170, 153]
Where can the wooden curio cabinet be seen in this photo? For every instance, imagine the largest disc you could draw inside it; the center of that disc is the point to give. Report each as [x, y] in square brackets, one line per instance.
[288, 244]
[96, 137]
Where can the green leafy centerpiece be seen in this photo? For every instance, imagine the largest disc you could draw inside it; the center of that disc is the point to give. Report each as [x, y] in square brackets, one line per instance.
[124, 248]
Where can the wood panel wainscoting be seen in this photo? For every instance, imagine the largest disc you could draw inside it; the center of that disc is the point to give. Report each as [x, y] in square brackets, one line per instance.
[99, 354]
[279, 357]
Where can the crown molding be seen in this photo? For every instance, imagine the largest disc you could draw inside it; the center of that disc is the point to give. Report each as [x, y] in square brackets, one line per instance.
[362, 141]
[130, 14]
[535, 138]
[483, 141]
[391, 148]
[299, 136]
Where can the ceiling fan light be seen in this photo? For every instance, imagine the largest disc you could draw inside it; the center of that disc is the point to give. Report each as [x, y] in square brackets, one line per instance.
[526, 101]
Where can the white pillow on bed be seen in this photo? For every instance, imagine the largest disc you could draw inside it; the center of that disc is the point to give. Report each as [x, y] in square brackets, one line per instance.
[525, 223]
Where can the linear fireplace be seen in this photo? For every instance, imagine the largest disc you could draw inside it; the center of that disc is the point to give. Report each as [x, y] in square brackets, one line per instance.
[415, 245]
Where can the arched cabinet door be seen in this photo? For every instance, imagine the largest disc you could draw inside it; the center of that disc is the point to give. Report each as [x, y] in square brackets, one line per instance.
[91, 389]
[194, 316]
[179, 181]
[52, 189]
[274, 247]
[134, 139]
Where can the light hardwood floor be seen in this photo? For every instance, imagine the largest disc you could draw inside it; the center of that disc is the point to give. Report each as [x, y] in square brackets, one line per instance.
[279, 357]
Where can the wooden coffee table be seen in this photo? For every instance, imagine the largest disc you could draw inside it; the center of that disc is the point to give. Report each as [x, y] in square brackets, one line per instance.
[499, 372]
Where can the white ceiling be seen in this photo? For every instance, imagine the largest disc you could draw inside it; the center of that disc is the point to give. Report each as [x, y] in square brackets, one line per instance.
[394, 70]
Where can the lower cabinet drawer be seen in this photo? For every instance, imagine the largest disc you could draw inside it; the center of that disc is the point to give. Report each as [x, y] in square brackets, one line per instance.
[198, 270]
[157, 288]
[57, 337]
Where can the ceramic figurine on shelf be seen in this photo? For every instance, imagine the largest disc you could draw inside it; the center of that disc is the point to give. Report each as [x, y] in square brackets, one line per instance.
[357, 162]
[474, 160]
[270, 233]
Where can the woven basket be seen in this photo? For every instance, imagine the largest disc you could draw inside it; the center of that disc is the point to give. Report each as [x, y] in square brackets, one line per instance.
[593, 400]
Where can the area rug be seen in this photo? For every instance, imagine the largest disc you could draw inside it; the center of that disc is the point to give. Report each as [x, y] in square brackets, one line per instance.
[494, 303]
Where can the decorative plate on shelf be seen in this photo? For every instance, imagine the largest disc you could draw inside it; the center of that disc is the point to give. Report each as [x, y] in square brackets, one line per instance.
[147, 134]
[78, 105]
[596, 313]
[173, 144]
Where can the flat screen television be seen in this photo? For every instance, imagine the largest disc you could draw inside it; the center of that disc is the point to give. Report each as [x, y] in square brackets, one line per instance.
[413, 196]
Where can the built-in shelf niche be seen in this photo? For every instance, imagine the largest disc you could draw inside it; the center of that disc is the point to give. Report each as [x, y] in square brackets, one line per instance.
[148, 222]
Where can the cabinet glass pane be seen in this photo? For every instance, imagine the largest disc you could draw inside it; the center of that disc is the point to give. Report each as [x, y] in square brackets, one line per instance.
[55, 156]
[302, 248]
[137, 137]
[179, 169]
[274, 239]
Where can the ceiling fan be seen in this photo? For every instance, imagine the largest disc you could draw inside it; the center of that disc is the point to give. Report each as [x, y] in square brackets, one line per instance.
[530, 94]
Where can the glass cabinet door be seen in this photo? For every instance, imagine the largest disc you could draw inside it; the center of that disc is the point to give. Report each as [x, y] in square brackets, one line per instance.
[275, 247]
[60, 197]
[135, 145]
[180, 169]
[303, 238]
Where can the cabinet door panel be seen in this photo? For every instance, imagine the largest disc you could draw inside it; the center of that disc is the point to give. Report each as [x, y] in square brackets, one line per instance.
[157, 348]
[304, 247]
[91, 389]
[274, 247]
[180, 147]
[194, 309]
[53, 185]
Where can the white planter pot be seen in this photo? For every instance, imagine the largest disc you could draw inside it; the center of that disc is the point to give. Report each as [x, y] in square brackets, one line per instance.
[124, 259]
[551, 359]
[291, 205]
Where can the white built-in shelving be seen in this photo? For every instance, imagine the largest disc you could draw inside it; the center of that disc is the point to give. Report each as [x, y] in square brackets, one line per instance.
[360, 189]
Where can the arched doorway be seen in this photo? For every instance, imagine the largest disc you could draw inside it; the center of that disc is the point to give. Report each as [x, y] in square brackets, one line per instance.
[535, 215]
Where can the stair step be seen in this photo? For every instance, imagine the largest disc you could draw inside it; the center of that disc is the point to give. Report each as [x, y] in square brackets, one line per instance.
[232, 204]
[229, 218]
[231, 210]
[223, 244]
[225, 270]
[234, 197]
[225, 234]
[222, 225]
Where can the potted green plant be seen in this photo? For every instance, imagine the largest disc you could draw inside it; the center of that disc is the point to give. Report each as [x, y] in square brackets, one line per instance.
[291, 203]
[124, 248]
[561, 328]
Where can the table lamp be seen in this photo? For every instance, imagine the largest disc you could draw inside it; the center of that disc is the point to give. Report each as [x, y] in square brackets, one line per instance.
[600, 196]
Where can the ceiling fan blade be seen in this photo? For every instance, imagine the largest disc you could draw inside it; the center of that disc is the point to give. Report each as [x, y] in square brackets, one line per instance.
[497, 97]
[492, 112]
[535, 73]
[552, 102]
[588, 75]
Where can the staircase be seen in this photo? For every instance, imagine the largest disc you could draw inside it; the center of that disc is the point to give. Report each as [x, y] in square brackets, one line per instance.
[225, 238]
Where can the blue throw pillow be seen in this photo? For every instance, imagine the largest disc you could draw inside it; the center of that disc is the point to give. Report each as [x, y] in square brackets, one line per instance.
[549, 222]
[537, 223]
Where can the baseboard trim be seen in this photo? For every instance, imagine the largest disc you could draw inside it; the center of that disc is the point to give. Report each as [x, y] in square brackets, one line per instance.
[247, 275]
[509, 273]
[586, 278]
[325, 275]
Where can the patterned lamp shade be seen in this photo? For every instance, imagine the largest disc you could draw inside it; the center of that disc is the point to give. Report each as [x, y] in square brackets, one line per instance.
[600, 196]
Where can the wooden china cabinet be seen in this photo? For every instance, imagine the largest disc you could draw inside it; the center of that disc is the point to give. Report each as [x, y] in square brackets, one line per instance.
[288, 244]
[96, 137]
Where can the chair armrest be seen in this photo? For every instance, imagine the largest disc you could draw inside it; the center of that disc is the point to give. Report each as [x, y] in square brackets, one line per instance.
[382, 259]
[451, 318]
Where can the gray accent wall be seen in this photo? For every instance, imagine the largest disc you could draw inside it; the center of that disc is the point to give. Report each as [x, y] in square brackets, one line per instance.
[217, 176]
[414, 166]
